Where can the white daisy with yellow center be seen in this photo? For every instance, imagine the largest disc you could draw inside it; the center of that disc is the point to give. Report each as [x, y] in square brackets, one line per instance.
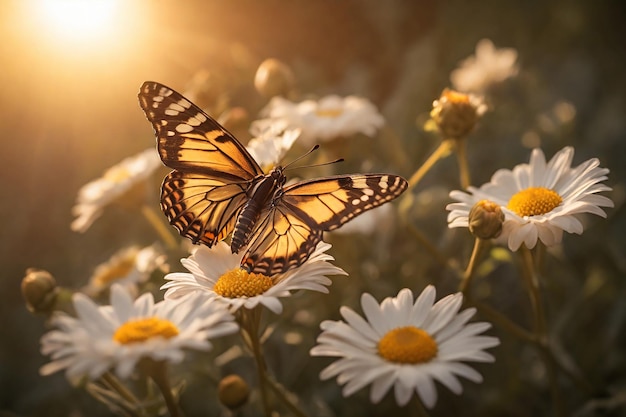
[216, 274]
[272, 142]
[539, 200]
[116, 337]
[325, 119]
[404, 344]
[115, 182]
[130, 267]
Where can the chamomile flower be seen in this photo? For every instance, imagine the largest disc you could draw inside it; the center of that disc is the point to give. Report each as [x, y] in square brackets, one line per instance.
[272, 143]
[490, 65]
[539, 200]
[326, 119]
[116, 337]
[129, 267]
[404, 344]
[116, 181]
[216, 273]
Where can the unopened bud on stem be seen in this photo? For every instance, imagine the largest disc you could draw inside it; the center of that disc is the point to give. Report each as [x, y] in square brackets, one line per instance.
[485, 220]
[456, 114]
[233, 391]
[274, 78]
[40, 291]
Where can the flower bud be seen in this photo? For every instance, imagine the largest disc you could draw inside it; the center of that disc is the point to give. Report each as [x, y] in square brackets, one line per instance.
[485, 220]
[274, 78]
[456, 114]
[40, 291]
[233, 391]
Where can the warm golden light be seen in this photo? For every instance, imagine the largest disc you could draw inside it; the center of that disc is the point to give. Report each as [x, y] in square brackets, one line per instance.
[79, 20]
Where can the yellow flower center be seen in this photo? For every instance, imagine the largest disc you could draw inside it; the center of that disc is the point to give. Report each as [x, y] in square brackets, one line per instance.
[455, 97]
[330, 113]
[534, 201]
[141, 330]
[238, 283]
[117, 174]
[407, 345]
[120, 269]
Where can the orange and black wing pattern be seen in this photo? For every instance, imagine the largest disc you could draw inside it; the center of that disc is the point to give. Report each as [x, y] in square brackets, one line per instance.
[212, 169]
[291, 229]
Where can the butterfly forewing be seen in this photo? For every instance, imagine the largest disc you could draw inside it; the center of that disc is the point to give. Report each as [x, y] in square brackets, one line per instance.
[327, 203]
[205, 193]
[189, 139]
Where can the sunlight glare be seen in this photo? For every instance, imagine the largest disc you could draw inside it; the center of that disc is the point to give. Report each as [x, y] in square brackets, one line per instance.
[79, 19]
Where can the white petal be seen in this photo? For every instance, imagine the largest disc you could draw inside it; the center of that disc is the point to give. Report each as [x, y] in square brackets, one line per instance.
[88, 312]
[122, 303]
[359, 324]
[272, 304]
[403, 393]
[372, 311]
[422, 306]
[427, 391]
[381, 386]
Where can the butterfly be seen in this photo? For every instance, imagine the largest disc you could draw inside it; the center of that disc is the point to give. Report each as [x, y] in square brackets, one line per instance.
[217, 189]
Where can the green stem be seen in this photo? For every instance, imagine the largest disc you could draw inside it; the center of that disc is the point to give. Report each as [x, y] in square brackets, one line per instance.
[432, 249]
[397, 149]
[532, 285]
[501, 320]
[116, 385]
[250, 322]
[156, 221]
[461, 156]
[479, 247]
[439, 153]
[157, 370]
[281, 395]
[540, 328]
[419, 410]
[582, 384]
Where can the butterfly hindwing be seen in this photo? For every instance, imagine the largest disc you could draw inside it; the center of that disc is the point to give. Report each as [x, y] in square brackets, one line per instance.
[190, 140]
[281, 241]
[202, 208]
[292, 228]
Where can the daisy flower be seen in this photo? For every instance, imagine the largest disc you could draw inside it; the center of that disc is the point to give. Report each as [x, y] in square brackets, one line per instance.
[489, 66]
[406, 345]
[115, 182]
[539, 200]
[116, 337]
[325, 119]
[129, 267]
[217, 274]
[272, 143]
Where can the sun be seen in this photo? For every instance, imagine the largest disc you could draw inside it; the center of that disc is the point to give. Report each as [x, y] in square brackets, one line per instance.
[78, 20]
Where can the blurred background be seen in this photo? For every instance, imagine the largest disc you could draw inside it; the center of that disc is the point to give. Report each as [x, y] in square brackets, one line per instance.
[68, 111]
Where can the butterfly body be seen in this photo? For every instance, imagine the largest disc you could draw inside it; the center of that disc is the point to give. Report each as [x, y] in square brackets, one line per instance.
[217, 189]
[260, 195]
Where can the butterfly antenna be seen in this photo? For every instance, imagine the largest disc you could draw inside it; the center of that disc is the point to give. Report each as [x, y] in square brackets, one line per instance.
[314, 148]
